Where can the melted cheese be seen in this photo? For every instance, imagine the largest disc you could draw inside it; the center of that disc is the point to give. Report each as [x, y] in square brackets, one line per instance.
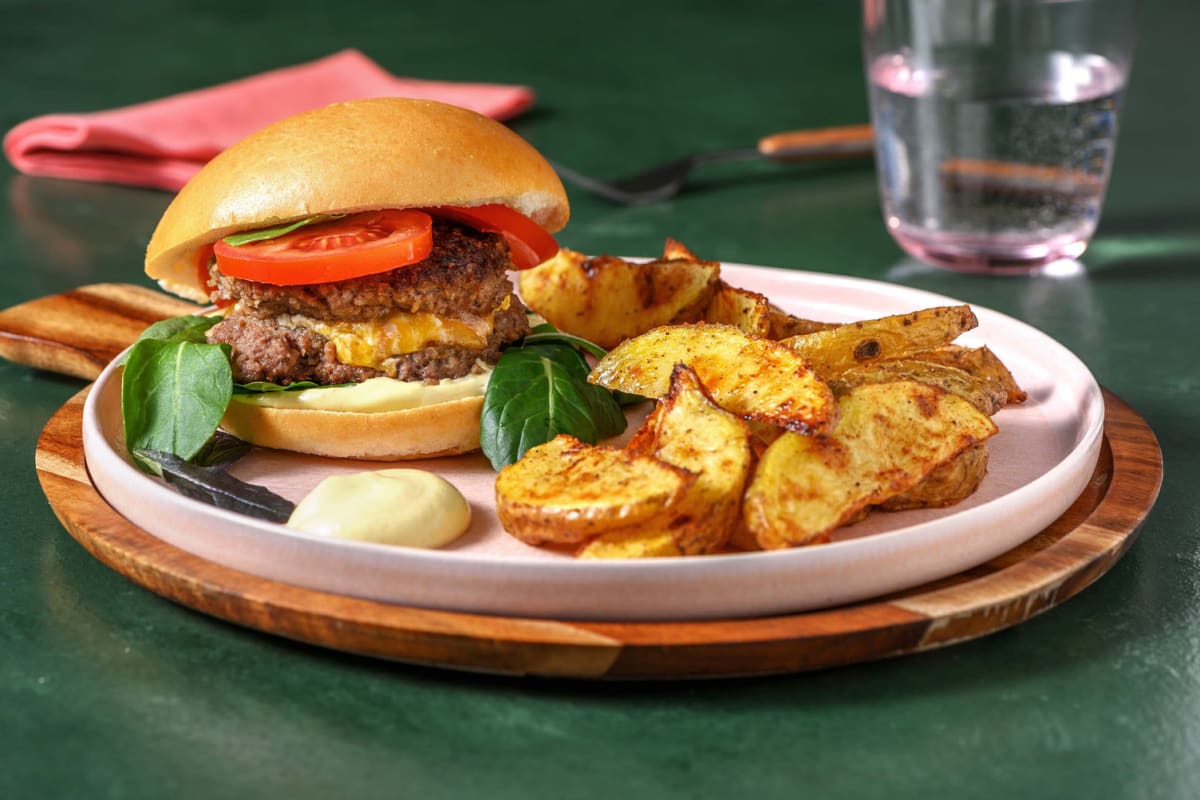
[368, 344]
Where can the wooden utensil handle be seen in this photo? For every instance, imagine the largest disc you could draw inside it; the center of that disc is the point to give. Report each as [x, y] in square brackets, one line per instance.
[78, 332]
[849, 141]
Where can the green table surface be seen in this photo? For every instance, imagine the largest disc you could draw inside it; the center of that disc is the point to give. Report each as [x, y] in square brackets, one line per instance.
[108, 691]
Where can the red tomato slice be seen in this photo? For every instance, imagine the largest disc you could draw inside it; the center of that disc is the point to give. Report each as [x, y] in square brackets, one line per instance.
[202, 259]
[529, 242]
[350, 247]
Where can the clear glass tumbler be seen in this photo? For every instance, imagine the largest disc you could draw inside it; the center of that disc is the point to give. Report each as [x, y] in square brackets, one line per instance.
[995, 124]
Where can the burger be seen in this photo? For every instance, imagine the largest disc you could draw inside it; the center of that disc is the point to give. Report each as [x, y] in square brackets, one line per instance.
[358, 255]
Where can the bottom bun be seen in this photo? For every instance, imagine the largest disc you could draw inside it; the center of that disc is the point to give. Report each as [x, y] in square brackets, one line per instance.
[441, 429]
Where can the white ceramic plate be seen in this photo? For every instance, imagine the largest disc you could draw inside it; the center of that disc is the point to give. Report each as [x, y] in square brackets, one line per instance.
[1040, 462]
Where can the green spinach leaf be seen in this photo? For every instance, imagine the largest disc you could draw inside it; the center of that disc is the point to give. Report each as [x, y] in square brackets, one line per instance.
[548, 333]
[537, 392]
[176, 329]
[262, 234]
[266, 387]
[173, 394]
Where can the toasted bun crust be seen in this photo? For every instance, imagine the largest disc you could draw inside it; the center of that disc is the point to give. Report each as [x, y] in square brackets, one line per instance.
[441, 429]
[347, 157]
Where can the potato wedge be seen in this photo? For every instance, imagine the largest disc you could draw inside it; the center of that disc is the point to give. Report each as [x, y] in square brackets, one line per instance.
[567, 491]
[745, 310]
[639, 542]
[889, 436]
[607, 300]
[979, 362]
[833, 351]
[688, 430]
[675, 250]
[986, 395]
[756, 379]
[953, 481]
[781, 325]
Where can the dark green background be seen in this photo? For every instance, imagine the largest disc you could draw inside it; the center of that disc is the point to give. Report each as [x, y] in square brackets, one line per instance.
[108, 691]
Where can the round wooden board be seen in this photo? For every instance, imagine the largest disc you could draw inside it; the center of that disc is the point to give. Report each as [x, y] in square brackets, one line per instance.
[1054, 565]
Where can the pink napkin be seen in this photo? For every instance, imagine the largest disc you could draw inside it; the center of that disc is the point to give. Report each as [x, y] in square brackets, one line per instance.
[164, 142]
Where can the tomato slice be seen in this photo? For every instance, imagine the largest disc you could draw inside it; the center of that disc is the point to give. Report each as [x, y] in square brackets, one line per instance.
[202, 261]
[202, 258]
[529, 242]
[350, 247]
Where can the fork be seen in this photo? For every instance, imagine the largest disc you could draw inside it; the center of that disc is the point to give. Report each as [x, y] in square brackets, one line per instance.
[666, 180]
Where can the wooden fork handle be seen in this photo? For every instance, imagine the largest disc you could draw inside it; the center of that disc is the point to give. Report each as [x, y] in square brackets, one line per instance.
[849, 141]
[78, 332]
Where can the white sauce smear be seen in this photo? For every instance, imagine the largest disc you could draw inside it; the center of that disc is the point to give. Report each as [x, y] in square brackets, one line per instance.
[407, 507]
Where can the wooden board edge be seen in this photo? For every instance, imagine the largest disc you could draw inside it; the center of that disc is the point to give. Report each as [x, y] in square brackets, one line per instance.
[889, 627]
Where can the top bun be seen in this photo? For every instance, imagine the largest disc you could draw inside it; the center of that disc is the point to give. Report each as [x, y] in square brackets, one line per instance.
[348, 157]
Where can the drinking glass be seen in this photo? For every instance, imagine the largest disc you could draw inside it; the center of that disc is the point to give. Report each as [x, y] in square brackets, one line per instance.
[995, 124]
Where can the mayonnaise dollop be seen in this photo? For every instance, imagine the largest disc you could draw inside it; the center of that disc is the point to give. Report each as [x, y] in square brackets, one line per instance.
[408, 507]
[373, 396]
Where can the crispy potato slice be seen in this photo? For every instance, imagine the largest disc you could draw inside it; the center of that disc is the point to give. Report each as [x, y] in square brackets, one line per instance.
[889, 436]
[781, 325]
[567, 491]
[986, 395]
[688, 430]
[745, 310]
[756, 379]
[675, 250]
[632, 543]
[833, 351]
[953, 481]
[979, 362]
[607, 300]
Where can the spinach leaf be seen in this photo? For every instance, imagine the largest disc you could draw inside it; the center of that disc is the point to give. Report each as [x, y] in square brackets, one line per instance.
[548, 333]
[265, 387]
[173, 394]
[537, 392]
[213, 485]
[177, 329]
[262, 234]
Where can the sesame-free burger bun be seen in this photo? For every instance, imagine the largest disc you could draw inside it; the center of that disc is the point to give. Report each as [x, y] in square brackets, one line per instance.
[347, 157]
[441, 429]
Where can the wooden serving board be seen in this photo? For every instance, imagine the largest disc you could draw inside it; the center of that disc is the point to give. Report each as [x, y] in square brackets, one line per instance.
[1054, 565]
[80, 331]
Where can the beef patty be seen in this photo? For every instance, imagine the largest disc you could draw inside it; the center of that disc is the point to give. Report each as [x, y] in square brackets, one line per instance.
[463, 274]
[263, 350]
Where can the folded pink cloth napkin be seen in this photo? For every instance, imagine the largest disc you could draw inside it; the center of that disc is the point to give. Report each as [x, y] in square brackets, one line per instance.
[164, 142]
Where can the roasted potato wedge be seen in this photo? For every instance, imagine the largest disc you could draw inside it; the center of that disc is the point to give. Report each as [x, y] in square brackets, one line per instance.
[638, 542]
[986, 395]
[833, 351]
[745, 310]
[781, 325]
[979, 362]
[688, 430]
[950, 483]
[675, 250]
[567, 491]
[756, 379]
[607, 300]
[888, 437]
